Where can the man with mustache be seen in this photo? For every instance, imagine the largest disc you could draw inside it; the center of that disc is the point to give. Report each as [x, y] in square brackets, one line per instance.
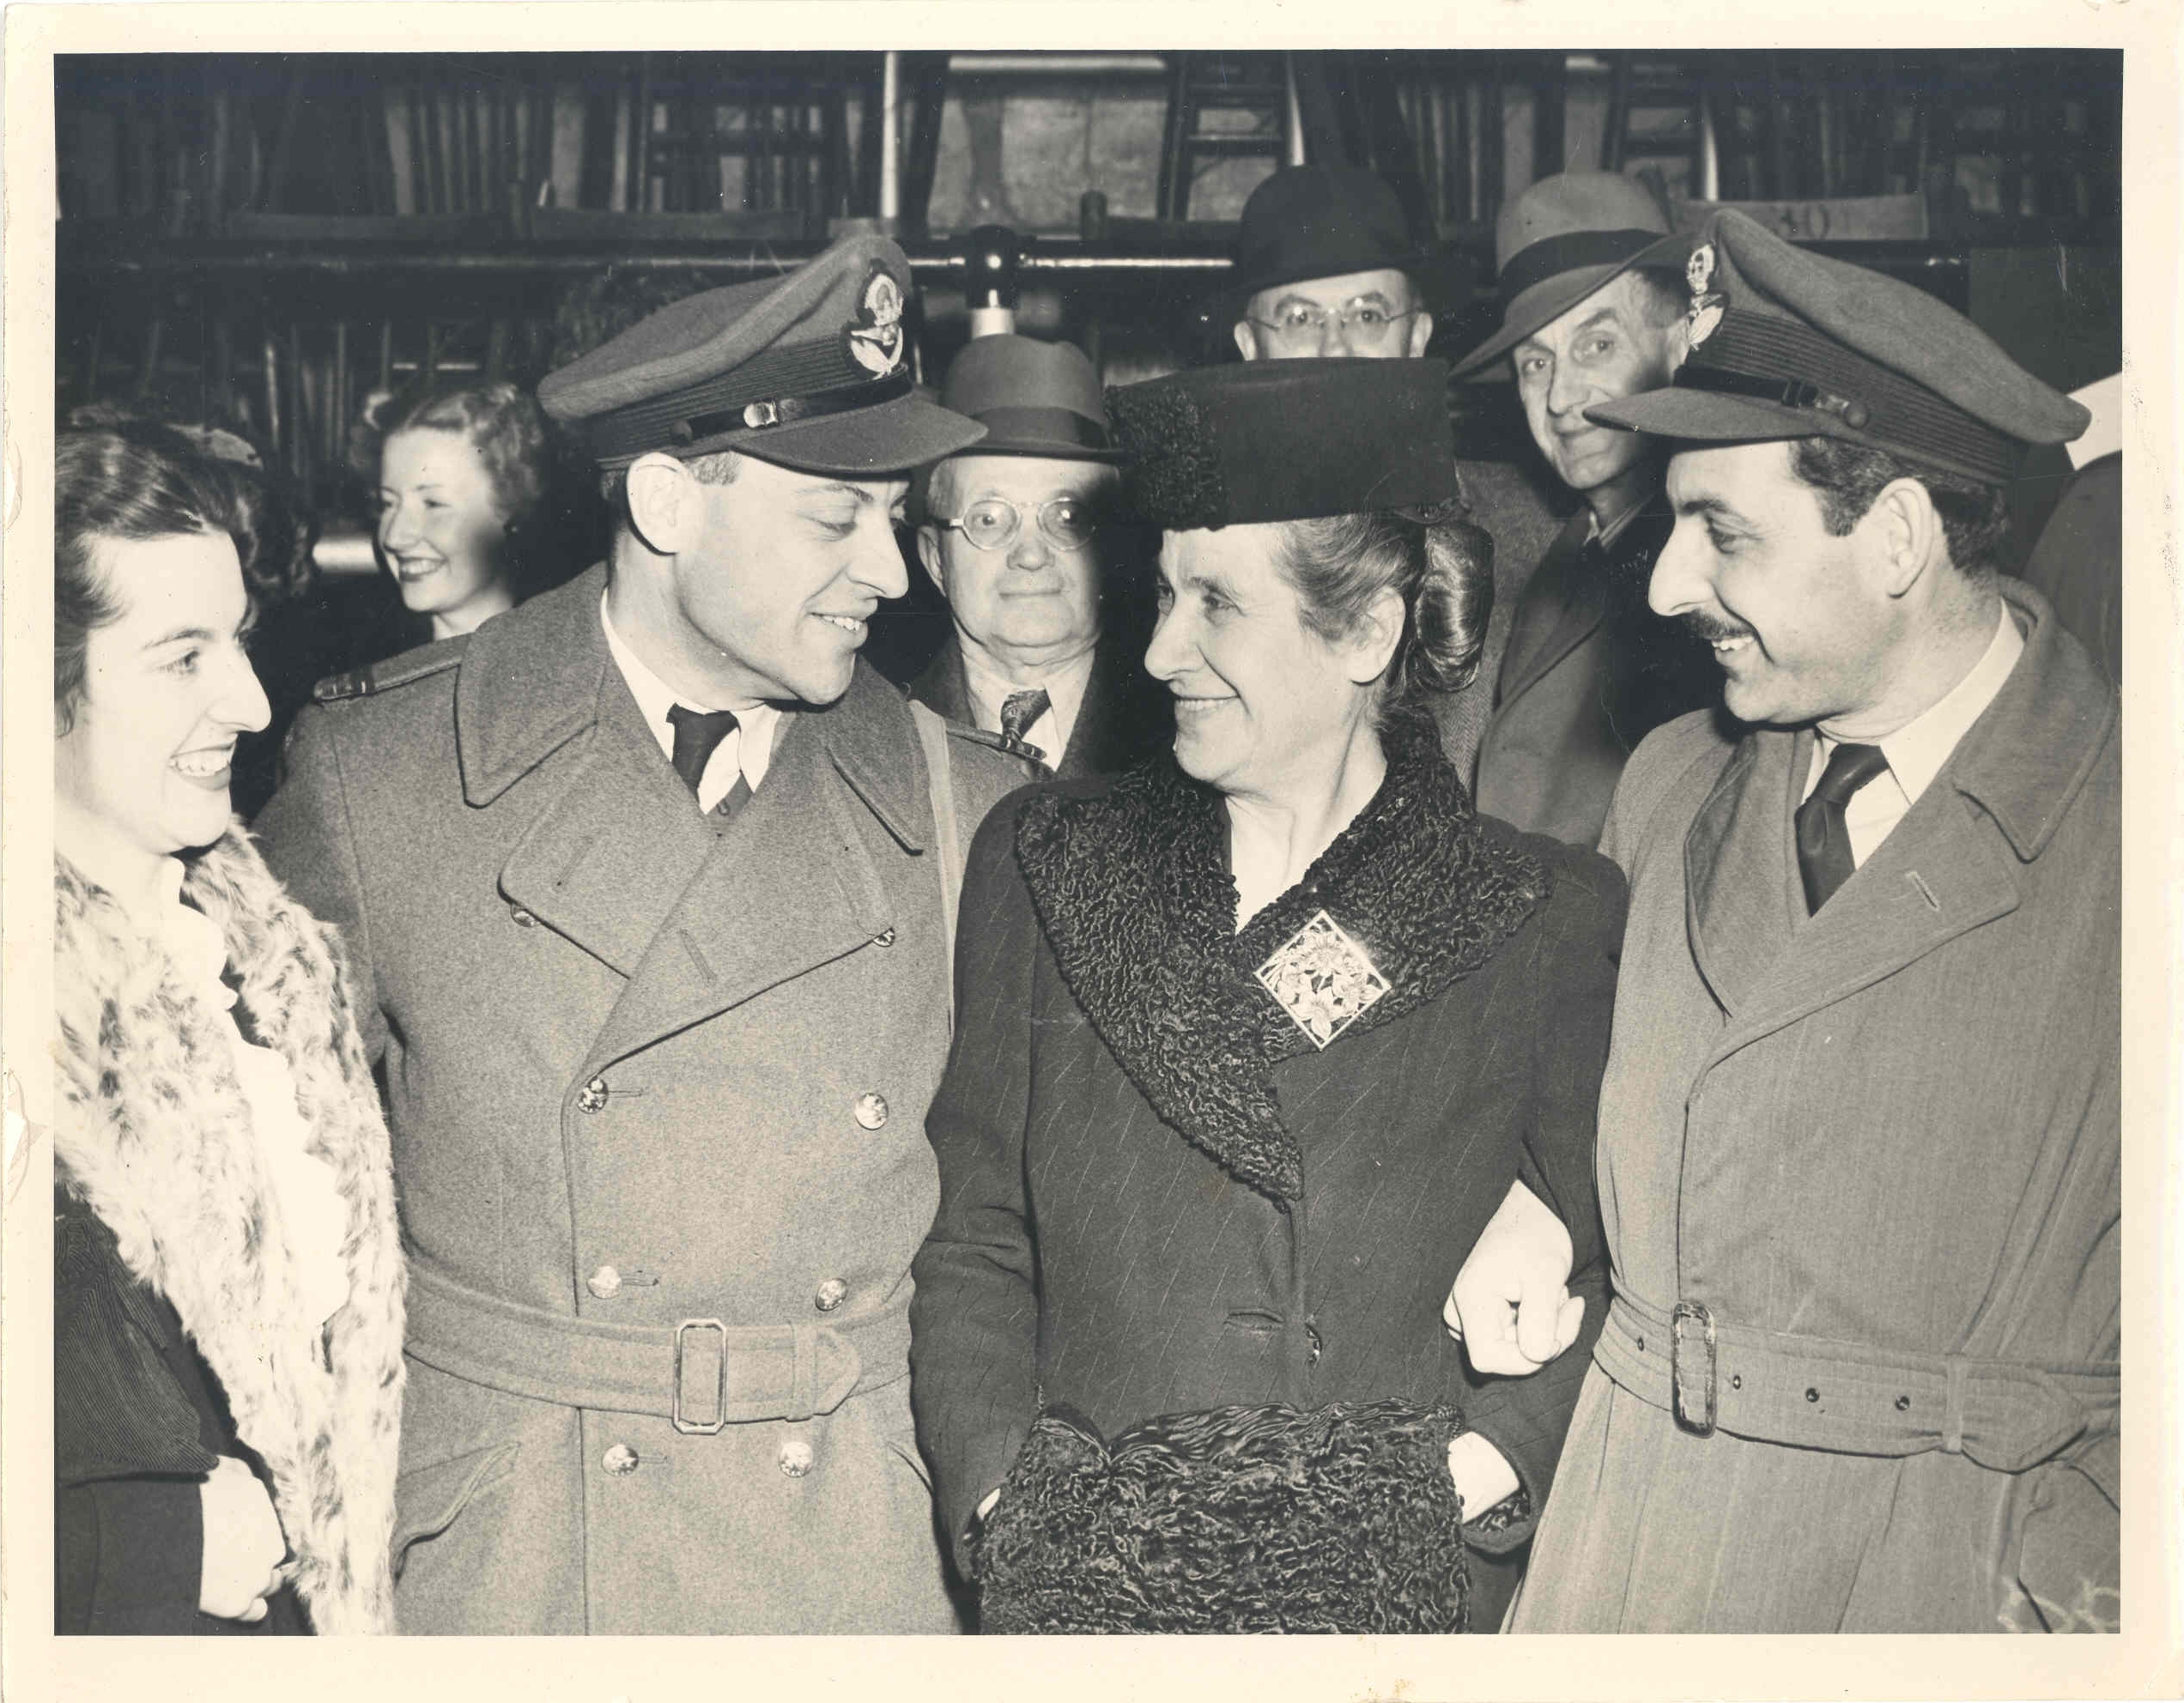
[1588, 671]
[649, 884]
[1859, 1132]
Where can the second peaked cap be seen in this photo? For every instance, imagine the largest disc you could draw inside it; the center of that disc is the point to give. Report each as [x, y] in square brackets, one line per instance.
[809, 370]
[1786, 343]
[1266, 440]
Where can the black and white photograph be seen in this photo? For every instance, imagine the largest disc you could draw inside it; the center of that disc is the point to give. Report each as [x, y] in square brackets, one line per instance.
[860, 833]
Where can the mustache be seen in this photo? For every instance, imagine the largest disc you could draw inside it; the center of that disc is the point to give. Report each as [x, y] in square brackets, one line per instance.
[1712, 629]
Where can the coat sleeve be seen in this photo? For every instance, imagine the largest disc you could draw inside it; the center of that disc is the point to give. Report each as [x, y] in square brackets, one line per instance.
[974, 1318]
[309, 842]
[1579, 949]
[128, 1534]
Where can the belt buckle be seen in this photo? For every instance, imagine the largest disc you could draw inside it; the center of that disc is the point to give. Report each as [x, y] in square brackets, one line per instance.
[1692, 1324]
[699, 1427]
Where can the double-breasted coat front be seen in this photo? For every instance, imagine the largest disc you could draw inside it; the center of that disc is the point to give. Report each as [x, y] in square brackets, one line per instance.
[1880, 1145]
[658, 1084]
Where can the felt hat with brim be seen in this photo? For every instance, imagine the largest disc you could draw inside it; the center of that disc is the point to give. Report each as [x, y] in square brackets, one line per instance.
[808, 369]
[1265, 440]
[1034, 398]
[1786, 343]
[1320, 221]
[1565, 237]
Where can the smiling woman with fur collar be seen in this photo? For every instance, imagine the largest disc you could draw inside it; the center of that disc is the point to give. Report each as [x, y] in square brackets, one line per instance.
[1254, 1042]
[227, 1276]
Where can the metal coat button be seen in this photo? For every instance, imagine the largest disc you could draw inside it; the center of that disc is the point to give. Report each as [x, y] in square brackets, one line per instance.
[522, 918]
[620, 1460]
[831, 1294]
[1311, 1343]
[605, 1283]
[796, 1457]
[871, 1111]
[592, 1096]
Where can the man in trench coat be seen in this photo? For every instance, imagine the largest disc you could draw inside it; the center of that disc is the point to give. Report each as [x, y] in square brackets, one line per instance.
[657, 1066]
[1859, 1141]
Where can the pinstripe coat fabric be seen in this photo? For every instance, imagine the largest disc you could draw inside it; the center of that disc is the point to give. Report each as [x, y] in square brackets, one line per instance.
[532, 905]
[1093, 1255]
[1894, 1123]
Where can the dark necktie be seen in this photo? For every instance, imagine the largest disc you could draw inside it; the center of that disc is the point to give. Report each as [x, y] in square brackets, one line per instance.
[1019, 712]
[698, 734]
[1822, 840]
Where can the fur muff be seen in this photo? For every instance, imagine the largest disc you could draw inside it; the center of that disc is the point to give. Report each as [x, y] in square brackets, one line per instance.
[154, 1136]
[1237, 1519]
[1132, 888]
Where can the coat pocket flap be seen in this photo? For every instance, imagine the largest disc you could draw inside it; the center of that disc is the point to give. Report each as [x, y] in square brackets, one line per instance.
[427, 1500]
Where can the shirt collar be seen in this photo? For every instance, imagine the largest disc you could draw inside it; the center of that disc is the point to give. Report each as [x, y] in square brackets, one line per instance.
[989, 688]
[655, 698]
[1916, 751]
[1605, 536]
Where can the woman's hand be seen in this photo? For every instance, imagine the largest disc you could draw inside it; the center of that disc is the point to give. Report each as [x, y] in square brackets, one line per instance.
[1511, 1305]
[243, 1545]
[1483, 1473]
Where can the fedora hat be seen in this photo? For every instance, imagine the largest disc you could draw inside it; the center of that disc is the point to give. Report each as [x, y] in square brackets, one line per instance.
[1033, 398]
[1564, 238]
[1320, 221]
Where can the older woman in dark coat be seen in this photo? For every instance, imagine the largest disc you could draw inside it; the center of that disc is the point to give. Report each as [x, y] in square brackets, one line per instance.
[1253, 1041]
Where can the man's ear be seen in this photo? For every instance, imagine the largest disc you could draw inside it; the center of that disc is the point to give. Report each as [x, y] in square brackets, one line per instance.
[1908, 533]
[1247, 336]
[1420, 333]
[928, 553]
[665, 503]
[1373, 642]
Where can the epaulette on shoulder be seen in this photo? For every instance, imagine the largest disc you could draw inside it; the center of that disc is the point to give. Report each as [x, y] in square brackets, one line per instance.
[410, 666]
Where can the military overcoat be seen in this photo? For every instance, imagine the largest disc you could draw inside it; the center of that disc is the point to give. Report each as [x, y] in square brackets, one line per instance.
[1874, 1152]
[658, 1084]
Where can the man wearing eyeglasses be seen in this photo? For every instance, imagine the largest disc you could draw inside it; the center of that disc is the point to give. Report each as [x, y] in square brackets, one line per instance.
[1013, 541]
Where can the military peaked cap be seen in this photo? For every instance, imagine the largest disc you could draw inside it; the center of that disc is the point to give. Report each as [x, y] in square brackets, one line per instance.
[1786, 343]
[809, 370]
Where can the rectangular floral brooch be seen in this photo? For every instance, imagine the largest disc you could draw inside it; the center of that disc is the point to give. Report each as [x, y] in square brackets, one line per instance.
[1323, 979]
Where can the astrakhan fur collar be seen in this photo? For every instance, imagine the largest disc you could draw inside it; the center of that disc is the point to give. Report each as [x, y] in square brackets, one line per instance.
[1132, 888]
[154, 1136]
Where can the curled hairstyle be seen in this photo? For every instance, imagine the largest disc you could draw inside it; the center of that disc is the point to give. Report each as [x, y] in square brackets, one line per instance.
[133, 484]
[499, 420]
[1848, 477]
[1440, 564]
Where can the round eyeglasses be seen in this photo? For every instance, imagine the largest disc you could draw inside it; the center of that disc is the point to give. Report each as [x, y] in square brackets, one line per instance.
[1365, 324]
[992, 523]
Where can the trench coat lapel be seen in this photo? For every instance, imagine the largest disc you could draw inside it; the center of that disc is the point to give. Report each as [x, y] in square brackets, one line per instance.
[1743, 894]
[1942, 872]
[1949, 866]
[618, 838]
[792, 881]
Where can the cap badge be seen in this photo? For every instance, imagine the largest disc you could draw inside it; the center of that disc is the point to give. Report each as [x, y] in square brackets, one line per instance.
[876, 335]
[1707, 305]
